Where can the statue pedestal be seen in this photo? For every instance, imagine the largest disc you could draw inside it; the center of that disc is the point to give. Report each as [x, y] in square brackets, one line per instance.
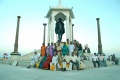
[14, 55]
[88, 56]
[61, 43]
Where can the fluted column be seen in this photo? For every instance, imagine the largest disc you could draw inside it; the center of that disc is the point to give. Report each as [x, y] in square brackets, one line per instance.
[15, 52]
[48, 31]
[67, 28]
[70, 30]
[99, 36]
[52, 29]
[72, 33]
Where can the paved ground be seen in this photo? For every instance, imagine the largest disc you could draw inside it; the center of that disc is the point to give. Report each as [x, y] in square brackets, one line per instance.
[9, 72]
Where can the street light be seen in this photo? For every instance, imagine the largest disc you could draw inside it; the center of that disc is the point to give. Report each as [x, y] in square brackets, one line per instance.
[44, 24]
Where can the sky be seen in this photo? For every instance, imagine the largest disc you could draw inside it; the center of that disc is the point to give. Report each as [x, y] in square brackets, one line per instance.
[33, 14]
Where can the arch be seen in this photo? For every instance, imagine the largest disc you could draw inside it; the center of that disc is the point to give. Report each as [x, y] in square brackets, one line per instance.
[60, 15]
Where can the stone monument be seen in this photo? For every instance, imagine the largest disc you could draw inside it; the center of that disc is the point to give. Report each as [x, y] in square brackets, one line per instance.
[99, 36]
[15, 53]
[53, 15]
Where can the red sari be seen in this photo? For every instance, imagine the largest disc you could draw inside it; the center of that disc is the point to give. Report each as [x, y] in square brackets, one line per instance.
[46, 64]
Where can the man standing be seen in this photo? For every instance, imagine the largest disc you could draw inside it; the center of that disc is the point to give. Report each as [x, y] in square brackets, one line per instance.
[59, 29]
[71, 48]
[59, 49]
[64, 49]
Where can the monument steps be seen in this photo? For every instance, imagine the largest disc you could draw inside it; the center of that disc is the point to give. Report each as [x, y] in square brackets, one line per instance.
[27, 56]
[26, 63]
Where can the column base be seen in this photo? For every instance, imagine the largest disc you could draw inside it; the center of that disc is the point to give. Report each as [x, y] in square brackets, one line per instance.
[14, 55]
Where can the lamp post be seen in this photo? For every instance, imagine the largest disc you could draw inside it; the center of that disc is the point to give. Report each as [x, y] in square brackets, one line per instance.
[44, 24]
[72, 32]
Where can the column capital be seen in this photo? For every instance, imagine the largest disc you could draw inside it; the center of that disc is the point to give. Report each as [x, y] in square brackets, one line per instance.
[97, 19]
[72, 24]
[19, 17]
[44, 24]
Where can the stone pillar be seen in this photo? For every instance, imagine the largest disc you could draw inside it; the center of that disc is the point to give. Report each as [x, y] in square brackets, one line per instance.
[52, 29]
[44, 24]
[48, 31]
[15, 52]
[99, 36]
[70, 30]
[67, 28]
[72, 33]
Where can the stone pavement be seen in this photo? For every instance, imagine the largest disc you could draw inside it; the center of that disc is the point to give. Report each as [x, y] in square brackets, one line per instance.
[9, 72]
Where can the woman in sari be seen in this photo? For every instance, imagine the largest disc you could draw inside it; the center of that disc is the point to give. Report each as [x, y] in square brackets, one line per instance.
[46, 64]
[42, 61]
[43, 49]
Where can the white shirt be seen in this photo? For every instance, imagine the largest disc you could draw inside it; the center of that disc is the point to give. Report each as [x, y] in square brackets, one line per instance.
[55, 59]
[74, 58]
[95, 58]
[67, 58]
[71, 48]
[101, 58]
[36, 57]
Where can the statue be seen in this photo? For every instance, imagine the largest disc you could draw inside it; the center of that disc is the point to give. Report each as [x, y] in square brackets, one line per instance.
[59, 29]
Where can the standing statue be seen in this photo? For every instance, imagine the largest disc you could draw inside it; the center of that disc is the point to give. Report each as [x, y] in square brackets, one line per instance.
[59, 29]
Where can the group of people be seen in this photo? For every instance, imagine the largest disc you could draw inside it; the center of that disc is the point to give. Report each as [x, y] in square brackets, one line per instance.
[114, 59]
[65, 57]
[68, 56]
[99, 59]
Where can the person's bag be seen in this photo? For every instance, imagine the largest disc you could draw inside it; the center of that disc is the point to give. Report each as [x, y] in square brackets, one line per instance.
[61, 65]
[52, 67]
[67, 65]
[37, 64]
[81, 67]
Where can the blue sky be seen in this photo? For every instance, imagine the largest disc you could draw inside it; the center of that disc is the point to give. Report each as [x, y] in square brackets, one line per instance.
[32, 14]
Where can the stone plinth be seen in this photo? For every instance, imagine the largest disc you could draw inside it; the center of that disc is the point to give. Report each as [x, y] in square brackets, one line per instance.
[14, 56]
[88, 55]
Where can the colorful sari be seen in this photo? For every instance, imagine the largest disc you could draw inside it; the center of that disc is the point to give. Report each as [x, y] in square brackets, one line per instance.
[43, 50]
[42, 61]
[46, 64]
[64, 50]
[51, 50]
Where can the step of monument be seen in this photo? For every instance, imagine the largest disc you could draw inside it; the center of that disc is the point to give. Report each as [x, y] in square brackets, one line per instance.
[27, 56]
[26, 63]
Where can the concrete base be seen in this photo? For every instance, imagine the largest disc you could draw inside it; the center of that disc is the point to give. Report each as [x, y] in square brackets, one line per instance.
[9, 72]
[88, 64]
[14, 55]
[88, 56]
